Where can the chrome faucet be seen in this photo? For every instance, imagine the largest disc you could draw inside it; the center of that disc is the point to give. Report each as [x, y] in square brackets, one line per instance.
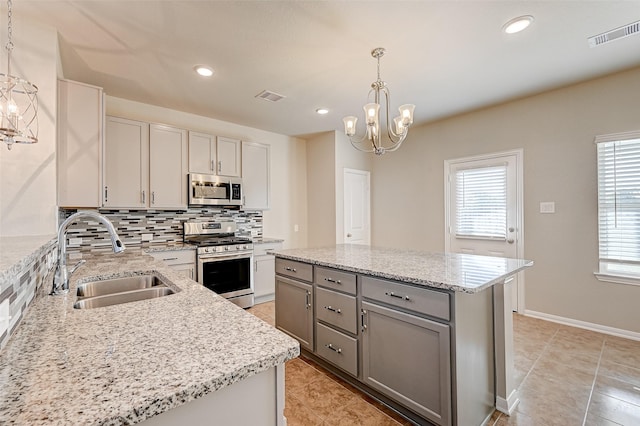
[61, 277]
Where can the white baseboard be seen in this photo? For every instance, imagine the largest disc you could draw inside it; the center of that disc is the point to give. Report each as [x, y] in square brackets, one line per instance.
[586, 325]
[508, 405]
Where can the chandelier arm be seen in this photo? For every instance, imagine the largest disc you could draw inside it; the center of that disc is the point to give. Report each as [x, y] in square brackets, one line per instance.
[359, 148]
[393, 137]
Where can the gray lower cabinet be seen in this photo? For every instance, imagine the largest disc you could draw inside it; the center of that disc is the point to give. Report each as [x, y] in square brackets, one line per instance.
[407, 358]
[294, 310]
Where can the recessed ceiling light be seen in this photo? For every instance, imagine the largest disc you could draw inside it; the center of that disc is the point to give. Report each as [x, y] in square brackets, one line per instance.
[322, 111]
[517, 24]
[203, 70]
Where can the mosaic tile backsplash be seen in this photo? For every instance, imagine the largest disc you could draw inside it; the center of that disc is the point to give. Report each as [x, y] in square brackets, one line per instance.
[135, 226]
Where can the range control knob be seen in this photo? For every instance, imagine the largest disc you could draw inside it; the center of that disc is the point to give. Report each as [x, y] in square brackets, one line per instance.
[226, 248]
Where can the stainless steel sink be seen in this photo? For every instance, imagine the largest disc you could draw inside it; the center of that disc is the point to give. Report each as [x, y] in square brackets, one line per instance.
[97, 294]
[118, 285]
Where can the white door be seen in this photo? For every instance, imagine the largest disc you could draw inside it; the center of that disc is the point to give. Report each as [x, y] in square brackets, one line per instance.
[357, 224]
[484, 208]
[168, 167]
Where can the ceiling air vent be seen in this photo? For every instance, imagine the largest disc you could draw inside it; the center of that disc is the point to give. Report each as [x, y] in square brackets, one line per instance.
[270, 96]
[616, 34]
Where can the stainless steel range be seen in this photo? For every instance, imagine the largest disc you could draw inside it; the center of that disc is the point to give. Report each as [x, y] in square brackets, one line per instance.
[224, 261]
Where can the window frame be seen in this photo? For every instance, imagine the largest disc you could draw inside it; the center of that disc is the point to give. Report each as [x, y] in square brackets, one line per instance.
[605, 266]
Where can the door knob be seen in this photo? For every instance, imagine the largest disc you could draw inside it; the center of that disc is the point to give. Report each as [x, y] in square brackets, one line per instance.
[349, 235]
[511, 229]
[510, 240]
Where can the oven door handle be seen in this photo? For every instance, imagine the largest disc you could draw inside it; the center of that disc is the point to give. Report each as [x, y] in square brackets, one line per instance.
[208, 258]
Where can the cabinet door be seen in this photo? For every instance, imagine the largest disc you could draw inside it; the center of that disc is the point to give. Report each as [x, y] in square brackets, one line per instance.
[228, 153]
[407, 358]
[188, 270]
[255, 175]
[79, 145]
[168, 167]
[202, 153]
[294, 313]
[264, 276]
[126, 163]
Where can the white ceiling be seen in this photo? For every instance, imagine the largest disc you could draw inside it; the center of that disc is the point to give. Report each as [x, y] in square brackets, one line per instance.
[445, 57]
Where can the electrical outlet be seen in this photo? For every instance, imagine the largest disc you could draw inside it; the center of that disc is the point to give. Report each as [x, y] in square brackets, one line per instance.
[147, 237]
[296, 228]
[547, 207]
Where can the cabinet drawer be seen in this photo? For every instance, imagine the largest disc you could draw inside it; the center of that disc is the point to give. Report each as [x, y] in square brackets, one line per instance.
[337, 309]
[291, 268]
[262, 248]
[342, 281]
[337, 348]
[175, 257]
[421, 300]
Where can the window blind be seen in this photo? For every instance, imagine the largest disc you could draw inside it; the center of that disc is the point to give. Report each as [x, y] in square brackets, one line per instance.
[619, 206]
[481, 202]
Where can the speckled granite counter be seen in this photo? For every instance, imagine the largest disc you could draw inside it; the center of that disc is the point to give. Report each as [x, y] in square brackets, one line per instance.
[15, 252]
[450, 271]
[125, 363]
[267, 240]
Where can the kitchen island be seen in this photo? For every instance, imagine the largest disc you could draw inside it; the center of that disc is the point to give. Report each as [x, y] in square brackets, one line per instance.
[429, 334]
[189, 357]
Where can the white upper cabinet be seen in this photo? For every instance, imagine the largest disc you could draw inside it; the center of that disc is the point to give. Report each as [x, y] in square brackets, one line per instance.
[202, 153]
[79, 145]
[167, 167]
[126, 163]
[228, 152]
[256, 175]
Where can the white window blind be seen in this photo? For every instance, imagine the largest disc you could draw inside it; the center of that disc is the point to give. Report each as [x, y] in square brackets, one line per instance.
[619, 206]
[481, 202]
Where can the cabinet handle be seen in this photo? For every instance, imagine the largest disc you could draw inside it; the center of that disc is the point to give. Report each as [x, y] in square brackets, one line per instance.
[332, 309]
[336, 350]
[363, 312]
[170, 258]
[308, 296]
[331, 280]
[290, 269]
[213, 166]
[392, 294]
[255, 266]
[143, 197]
[219, 167]
[106, 191]
[153, 197]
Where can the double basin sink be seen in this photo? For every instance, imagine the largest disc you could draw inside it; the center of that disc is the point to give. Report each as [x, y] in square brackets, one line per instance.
[115, 291]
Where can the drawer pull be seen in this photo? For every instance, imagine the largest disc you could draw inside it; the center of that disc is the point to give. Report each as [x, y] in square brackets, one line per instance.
[392, 294]
[363, 312]
[330, 308]
[331, 280]
[308, 296]
[336, 350]
[286, 268]
[170, 258]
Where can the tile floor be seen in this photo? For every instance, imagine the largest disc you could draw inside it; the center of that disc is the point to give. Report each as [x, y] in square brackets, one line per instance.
[565, 376]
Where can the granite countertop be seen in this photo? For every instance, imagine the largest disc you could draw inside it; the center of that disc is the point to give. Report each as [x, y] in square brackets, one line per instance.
[267, 240]
[449, 271]
[16, 252]
[122, 364]
[168, 247]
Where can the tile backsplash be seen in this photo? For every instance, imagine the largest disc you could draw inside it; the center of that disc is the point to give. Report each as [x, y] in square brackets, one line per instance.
[162, 226]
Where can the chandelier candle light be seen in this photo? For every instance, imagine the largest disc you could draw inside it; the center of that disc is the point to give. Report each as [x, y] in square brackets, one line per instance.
[396, 134]
[18, 102]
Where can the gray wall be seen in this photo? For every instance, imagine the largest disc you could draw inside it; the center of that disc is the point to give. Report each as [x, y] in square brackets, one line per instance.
[556, 131]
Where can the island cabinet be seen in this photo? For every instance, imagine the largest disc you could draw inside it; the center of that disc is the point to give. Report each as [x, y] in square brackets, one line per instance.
[294, 301]
[264, 266]
[426, 352]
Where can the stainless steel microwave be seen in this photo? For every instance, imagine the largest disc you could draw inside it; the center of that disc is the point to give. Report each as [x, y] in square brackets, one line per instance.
[211, 190]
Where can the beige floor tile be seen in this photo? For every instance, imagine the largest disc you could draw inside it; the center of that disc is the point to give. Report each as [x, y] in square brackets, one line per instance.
[298, 414]
[622, 351]
[519, 419]
[593, 420]
[358, 412]
[619, 371]
[324, 396]
[299, 374]
[618, 389]
[614, 410]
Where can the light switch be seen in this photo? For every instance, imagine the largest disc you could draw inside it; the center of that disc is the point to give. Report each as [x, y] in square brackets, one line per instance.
[547, 207]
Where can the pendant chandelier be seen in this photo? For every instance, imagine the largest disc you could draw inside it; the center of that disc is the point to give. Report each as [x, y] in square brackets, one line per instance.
[18, 102]
[372, 140]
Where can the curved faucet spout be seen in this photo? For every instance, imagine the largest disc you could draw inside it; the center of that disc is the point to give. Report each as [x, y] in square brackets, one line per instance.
[61, 277]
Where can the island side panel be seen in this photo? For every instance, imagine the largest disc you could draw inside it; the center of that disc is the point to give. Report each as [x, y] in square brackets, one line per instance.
[473, 357]
[506, 392]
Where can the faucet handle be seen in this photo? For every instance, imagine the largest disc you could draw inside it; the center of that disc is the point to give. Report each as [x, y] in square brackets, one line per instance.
[76, 266]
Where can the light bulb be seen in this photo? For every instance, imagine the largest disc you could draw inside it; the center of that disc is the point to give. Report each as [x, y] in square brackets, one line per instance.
[12, 108]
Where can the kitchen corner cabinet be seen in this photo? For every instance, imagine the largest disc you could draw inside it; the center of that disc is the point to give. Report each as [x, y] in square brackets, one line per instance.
[210, 156]
[167, 167]
[126, 163]
[294, 301]
[264, 271]
[79, 145]
[145, 165]
[256, 175]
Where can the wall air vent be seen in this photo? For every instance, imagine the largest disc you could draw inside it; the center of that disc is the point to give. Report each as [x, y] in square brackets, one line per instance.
[616, 34]
[270, 96]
